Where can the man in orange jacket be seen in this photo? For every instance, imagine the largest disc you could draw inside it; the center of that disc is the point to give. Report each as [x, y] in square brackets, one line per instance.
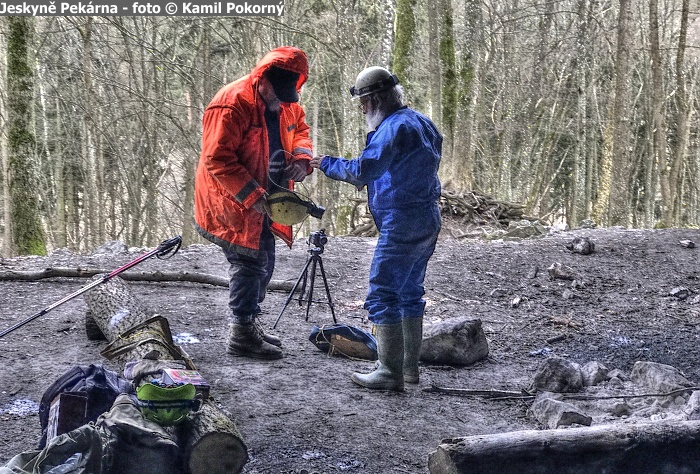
[254, 139]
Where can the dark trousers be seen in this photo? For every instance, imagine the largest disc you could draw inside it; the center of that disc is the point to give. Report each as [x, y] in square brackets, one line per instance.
[249, 277]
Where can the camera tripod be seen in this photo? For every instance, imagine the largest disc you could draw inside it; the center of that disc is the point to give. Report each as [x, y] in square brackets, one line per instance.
[313, 261]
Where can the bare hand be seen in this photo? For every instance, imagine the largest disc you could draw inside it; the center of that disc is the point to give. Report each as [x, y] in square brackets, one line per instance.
[296, 171]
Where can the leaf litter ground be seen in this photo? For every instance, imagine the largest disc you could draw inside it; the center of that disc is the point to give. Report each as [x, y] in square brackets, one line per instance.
[302, 414]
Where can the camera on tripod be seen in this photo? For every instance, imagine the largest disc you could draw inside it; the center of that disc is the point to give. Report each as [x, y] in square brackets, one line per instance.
[318, 239]
[316, 242]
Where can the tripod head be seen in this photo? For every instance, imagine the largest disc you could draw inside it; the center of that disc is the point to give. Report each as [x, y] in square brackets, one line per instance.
[317, 241]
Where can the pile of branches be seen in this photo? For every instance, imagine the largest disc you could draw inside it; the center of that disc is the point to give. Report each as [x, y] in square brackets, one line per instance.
[361, 221]
[472, 207]
[475, 207]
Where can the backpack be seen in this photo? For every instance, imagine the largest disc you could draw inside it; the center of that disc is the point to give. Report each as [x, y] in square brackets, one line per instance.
[92, 387]
[121, 441]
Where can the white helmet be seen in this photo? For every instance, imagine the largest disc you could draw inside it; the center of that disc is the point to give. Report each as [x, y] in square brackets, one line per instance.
[371, 80]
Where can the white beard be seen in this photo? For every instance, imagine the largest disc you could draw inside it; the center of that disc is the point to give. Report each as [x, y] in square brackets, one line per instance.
[373, 119]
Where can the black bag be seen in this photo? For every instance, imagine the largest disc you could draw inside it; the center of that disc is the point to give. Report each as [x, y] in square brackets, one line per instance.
[99, 386]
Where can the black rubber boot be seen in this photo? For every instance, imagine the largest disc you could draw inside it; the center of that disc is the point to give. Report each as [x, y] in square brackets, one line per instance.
[389, 373]
[245, 340]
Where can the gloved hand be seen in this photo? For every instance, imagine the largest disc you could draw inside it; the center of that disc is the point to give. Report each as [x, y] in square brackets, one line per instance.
[296, 171]
[316, 161]
[261, 205]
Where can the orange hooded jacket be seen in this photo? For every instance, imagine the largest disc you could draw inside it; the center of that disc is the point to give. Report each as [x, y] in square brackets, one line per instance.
[233, 166]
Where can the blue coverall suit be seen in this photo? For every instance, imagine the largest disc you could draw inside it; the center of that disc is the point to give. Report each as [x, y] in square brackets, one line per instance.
[399, 166]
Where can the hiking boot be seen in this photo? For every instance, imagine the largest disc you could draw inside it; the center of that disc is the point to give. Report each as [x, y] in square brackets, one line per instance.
[245, 340]
[269, 338]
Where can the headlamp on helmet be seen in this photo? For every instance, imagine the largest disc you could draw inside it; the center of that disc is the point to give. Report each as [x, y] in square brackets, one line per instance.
[371, 80]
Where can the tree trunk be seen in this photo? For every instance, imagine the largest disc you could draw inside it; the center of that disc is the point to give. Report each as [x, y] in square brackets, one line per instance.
[188, 233]
[88, 153]
[672, 206]
[580, 97]
[405, 31]
[101, 226]
[448, 93]
[503, 159]
[434, 65]
[6, 248]
[658, 156]
[59, 176]
[193, 126]
[470, 88]
[25, 220]
[600, 212]
[620, 121]
[592, 135]
[7, 228]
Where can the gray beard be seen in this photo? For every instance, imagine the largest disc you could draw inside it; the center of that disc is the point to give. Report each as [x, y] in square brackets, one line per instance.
[373, 119]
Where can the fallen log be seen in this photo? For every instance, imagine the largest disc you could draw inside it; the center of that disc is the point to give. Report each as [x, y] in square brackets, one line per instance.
[209, 445]
[661, 447]
[182, 276]
[209, 439]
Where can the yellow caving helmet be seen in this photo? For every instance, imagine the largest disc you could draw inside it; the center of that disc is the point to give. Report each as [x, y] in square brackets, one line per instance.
[288, 208]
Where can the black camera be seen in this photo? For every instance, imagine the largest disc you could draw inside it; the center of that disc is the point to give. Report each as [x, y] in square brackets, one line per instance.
[318, 239]
[315, 210]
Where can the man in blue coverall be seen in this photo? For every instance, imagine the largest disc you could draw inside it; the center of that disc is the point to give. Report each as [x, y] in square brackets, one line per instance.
[399, 167]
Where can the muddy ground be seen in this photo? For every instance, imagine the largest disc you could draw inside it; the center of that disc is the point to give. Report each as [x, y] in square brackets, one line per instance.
[302, 414]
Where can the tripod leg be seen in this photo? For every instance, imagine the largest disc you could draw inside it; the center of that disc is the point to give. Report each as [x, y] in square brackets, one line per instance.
[311, 284]
[302, 276]
[303, 285]
[328, 291]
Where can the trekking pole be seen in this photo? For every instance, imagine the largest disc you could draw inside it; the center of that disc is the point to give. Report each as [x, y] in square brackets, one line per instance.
[166, 249]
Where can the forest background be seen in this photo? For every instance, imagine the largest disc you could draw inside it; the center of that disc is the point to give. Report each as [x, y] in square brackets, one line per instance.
[578, 109]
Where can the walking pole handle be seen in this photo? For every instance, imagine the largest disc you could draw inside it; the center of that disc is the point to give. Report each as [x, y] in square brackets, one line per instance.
[165, 249]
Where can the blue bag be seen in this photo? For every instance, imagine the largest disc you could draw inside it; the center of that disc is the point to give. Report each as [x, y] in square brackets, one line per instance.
[344, 340]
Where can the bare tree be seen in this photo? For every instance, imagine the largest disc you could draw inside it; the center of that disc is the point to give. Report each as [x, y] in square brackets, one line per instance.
[672, 170]
[613, 200]
[449, 85]
[25, 221]
[658, 155]
[403, 41]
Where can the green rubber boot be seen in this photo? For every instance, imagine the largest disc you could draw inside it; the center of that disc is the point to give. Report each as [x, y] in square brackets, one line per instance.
[412, 340]
[389, 374]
